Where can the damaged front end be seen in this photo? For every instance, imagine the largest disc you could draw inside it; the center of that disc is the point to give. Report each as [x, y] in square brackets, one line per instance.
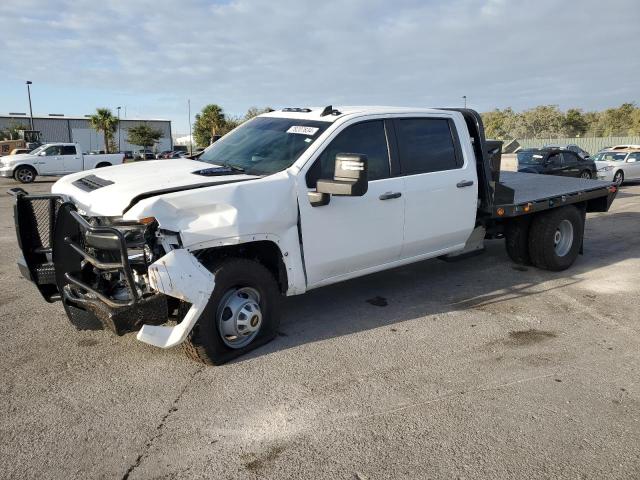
[100, 269]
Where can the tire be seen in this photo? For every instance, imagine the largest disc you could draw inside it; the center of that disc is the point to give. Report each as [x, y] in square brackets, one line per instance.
[103, 164]
[517, 240]
[25, 174]
[618, 177]
[237, 280]
[586, 174]
[555, 238]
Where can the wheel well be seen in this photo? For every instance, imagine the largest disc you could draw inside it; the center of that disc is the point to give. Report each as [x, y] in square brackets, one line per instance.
[103, 164]
[266, 252]
[24, 165]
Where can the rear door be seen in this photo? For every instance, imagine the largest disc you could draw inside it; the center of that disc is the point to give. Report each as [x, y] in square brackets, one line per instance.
[352, 234]
[71, 158]
[441, 191]
[571, 166]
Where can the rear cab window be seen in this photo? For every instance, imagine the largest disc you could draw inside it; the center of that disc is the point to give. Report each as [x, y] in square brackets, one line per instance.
[68, 150]
[427, 145]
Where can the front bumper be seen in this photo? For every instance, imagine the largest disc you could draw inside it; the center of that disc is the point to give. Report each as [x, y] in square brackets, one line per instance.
[6, 172]
[54, 240]
[605, 175]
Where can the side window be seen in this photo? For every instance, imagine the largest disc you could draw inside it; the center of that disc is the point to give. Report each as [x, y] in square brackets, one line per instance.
[426, 145]
[367, 138]
[53, 150]
[68, 150]
[569, 159]
[634, 157]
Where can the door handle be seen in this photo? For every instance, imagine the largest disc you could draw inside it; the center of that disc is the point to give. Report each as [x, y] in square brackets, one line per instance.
[464, 183]
[390, 195]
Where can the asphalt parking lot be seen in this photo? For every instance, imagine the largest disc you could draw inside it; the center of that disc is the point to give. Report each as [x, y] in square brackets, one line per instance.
[472, 369]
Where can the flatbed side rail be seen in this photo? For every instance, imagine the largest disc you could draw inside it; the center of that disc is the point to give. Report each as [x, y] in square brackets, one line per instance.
[597, 199]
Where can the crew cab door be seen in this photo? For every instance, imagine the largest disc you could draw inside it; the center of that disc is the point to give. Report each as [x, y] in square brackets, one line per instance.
[50, 161]
[72, 159]
[352, 234]
[440, 185]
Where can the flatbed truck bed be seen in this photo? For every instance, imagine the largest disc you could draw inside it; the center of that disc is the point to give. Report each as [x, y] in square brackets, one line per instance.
[534, 193]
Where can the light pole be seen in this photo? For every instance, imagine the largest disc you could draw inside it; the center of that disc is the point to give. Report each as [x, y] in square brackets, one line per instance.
[119, 149]
[29, 82]
[190, 139]
[464, 97]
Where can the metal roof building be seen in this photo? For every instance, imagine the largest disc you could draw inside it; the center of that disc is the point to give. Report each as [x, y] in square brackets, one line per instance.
[59, 128]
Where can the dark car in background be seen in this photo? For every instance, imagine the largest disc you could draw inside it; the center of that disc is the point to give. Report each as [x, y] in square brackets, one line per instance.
[573, 147]
[555, 161]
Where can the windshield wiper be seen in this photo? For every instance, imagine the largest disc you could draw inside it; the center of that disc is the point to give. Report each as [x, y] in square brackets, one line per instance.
[235, 168]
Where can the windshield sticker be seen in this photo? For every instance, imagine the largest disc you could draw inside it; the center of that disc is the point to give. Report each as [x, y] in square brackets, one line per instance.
[310, 131]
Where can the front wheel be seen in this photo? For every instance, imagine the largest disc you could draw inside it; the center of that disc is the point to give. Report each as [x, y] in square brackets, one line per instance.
[555, 238]
[25, 174]
[242, 313]
[586, 175]
[618, 178]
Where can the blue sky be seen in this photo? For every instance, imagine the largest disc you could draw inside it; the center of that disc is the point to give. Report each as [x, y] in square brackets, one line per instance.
[151, 56]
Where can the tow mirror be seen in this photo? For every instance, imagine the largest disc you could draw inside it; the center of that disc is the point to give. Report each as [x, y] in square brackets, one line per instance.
[350, 179]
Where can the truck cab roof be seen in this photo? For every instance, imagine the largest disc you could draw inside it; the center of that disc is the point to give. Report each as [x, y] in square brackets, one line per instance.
[330, 114]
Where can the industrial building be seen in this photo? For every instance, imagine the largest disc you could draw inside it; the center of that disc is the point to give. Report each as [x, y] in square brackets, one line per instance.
[60, 128]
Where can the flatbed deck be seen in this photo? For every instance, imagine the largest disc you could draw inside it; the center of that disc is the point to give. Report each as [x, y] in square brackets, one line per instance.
[533, 192]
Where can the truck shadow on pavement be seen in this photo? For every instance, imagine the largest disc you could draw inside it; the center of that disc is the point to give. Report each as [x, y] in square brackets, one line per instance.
[435, 287]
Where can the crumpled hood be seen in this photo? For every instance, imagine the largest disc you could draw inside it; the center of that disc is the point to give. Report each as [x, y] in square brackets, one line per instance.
[117, 188]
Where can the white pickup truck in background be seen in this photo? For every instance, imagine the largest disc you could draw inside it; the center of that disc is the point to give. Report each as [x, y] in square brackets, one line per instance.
[53, 159]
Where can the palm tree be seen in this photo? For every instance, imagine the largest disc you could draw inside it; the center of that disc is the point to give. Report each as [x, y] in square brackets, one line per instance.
[104, 121]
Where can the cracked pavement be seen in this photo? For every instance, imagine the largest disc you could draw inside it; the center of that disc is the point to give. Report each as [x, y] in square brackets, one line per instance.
[474, 369]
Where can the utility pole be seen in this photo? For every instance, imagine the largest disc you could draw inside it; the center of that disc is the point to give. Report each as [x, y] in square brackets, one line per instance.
[190, 138]
[29, 82]
[119, 149]
[465, 100]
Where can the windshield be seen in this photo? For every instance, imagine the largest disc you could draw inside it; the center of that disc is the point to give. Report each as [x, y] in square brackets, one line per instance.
[609, 157]
[530, 158]
[264, 145]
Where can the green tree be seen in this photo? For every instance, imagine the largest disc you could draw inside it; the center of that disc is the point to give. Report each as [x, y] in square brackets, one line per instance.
[574, 124]
[499, 123]
[143, 135]
[209, 122]
[104, 121]
[617, 121]
[255, 111]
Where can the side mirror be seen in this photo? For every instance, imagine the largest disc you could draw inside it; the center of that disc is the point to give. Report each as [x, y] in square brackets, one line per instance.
[350, 179]
[42, 153]
[631, 160]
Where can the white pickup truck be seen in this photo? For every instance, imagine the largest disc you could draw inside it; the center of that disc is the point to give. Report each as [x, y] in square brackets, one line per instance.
[53, 159]
[200, 252]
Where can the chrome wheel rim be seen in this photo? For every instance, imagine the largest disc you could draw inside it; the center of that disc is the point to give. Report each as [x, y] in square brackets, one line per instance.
[25, 175]
[618, 178]
[239, 316]
[563, 238]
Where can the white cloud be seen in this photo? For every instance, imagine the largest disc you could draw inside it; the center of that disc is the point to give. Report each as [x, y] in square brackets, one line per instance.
[407, 52]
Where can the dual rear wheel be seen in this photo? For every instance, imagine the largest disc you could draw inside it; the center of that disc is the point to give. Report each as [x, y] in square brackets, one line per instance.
[550, 240]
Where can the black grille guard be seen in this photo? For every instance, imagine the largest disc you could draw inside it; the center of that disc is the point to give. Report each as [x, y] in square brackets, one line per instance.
[123, 266]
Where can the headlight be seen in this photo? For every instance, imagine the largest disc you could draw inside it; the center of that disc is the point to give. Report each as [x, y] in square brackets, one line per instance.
[606, 169]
